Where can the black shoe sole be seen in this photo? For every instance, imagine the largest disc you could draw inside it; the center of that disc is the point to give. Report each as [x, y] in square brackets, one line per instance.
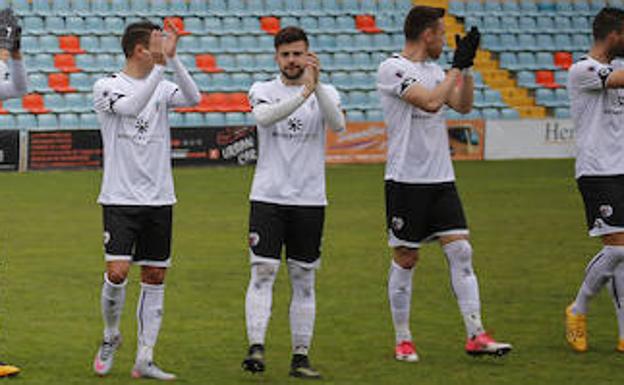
[253, 366]
[496, 353]
[296, 374]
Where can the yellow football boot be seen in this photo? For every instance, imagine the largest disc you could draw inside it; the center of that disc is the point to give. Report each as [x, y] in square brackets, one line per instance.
[576, 330]
[620, 346]
[7, 370]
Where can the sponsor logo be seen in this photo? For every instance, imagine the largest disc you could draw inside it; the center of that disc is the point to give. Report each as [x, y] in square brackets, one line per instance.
[294, 124]
[397, 223]
[141, 125]
[254, 239]
[606, 211]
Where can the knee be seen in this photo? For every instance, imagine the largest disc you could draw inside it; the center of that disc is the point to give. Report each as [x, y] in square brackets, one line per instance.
[302, 280]
[153, 275]
[459, 252]
[405, 257]
[263, 274]
[117, 274]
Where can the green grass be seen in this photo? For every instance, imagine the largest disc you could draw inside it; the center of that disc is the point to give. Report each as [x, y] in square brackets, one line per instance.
[530, 251]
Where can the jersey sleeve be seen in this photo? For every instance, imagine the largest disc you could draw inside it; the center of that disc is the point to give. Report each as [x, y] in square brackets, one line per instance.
[104, 97]
[394, 80]
[590, 77]
[258, 95]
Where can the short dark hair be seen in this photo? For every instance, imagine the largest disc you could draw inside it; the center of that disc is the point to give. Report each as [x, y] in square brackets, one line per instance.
[419, 19]
[609, 19]
[137, 33]
[289, 35]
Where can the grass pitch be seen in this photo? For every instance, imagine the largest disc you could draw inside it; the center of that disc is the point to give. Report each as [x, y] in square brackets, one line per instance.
[530, 251]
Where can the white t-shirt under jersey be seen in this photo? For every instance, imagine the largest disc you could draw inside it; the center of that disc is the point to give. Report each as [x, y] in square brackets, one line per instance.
[418, 145]
[598, 115]
[291, 161]
[137, 149]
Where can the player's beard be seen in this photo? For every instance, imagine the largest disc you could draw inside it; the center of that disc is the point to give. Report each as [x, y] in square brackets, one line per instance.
[296, 75]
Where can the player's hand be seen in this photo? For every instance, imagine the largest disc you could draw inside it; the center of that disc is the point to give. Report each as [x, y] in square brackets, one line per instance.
[156, 47]
[474, 38]
[170, 41]
[310, 75]
[464, 53]
[313, 61]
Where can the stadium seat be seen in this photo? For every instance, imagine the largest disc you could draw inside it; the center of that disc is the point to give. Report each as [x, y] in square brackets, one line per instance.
[563, 60]
[509, 113]
[68, 121]
[250, 24]
[490, 113]
[563, 24]
[59, 82]
[33, 103]
[597, 5]
[509, 42]
[49, 44]
[77, 102]
[457, 7]
[508, 60]
[564, 7]
[270, 24]
[526, 79]
[42, 62]
[214, 119]
[178, 23]
[474, 8]
[70, 44]
[312, 7]
[47, 121]
[33, 24]
[234, 119]
[580, 23]
[492, 7]
[89, 120]
[545, 97]
[526, 60]
[527, 42]
[194, 119]
[492, 42]
[580, 42]
[366, 24]
[81, 81]
[546, 79]
[38, 82]
[528, 6]
[55, 102]
[545, 60]
[207, 63]
[55, 24]
[561, 77]
[546, 6]
[562, 113]
[355, 116]
[65, 63]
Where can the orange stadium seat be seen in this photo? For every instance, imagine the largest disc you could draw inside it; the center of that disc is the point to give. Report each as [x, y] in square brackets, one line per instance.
[59, 82]
[34, 104]
[70, 44]
[178, 23]
[270, 24]
[238, 102]
[563, 60]
[65, 62]
[207, 63]
[546, 79]
[366, 24]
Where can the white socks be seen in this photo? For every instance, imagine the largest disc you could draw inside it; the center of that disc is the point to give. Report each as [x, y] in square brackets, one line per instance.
[465, 285]
[302, 307]
[617, 294]
[400, 296]
[149, 317]
[598, 272]
[259, 299]
[112, 300]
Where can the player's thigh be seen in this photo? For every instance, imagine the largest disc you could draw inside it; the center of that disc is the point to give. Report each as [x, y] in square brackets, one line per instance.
[446, 218]
[406, 213]
[266, 229]
[603, 198]
[153, 246]
[121, 227]
[304, 233]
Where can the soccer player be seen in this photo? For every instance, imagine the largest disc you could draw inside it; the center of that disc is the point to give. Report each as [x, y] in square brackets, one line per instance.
[137, 186]
[422, 203]
[596, 89]
[288, 194]
[12, 85]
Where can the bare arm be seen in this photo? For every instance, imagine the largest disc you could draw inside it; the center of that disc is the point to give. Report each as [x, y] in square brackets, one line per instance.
[462, 96]
[615, 80]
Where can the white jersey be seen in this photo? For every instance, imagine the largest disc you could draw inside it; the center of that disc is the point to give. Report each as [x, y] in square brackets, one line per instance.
[291, 161]
[137, 147]
[418, 144]
[598, 115]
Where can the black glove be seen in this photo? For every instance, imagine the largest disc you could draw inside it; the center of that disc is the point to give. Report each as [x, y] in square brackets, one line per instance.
[474, 38]
[17, 40]
[464, 55]
[10, 31]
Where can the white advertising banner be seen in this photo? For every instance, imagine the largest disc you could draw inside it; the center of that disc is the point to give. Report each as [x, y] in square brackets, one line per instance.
[523, 139]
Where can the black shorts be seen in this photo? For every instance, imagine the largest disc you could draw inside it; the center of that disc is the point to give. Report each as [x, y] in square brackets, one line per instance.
[603, 197]
[299, 228]
[141, 234]
[417, 213]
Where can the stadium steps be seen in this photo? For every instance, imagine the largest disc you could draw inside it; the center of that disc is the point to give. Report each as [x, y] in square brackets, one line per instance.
[497, 78]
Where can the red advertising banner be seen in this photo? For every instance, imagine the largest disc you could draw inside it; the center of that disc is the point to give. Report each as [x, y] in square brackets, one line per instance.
[366, 142]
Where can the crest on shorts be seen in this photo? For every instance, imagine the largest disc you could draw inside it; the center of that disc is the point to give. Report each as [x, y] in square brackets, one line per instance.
[397, 223]
[106, 237]
[606, 211]
[254, 239]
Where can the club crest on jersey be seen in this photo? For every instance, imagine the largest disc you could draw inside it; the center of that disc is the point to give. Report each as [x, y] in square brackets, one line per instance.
[606, 211]
[294, 124]
[397, 223]
[254, 239]
[106, 237]
[141, 125]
